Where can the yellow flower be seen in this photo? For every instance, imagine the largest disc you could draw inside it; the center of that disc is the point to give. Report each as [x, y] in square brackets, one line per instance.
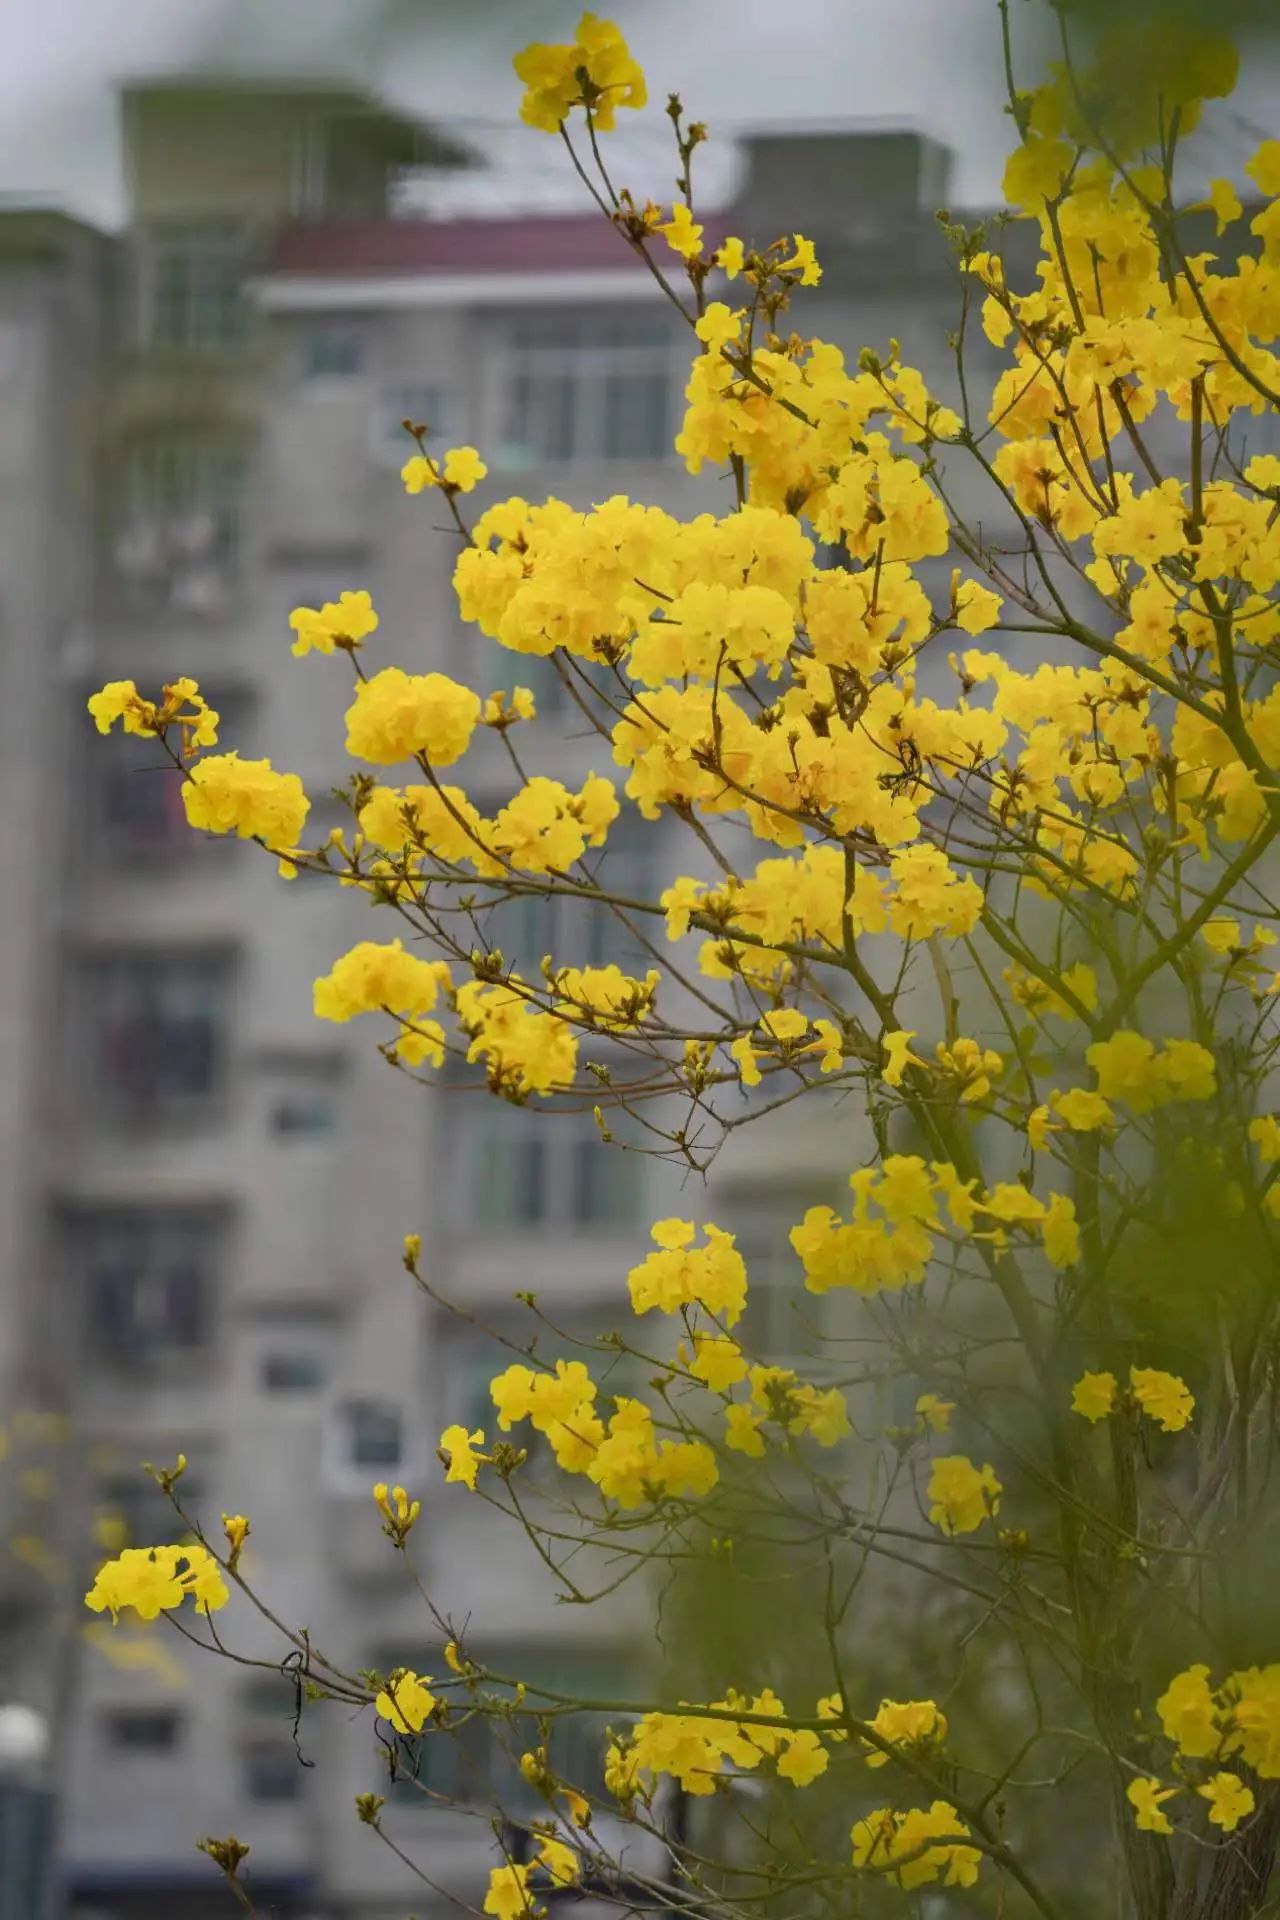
[1230, 1801]
[1256, 1718]
[1084, 1110]
[225, 794]
[508, 1896]
[1264, 168]
[961, 1496]
[553, 86]
[681, 232]
[1189, 1715]
[1224, 202]
[905, 1723]
[406, 1702]
[730, 257]
[935, 1413]
[1147, 1797]
[1162, 1397]
[802, 260]
[897, 1047]
[396, 715]
[977, 608]
[153, 1580]
[399, 1513]
[237, 1531]
[742, 1432]
[558, 1861]
[717, 1361]
[887, 1835]
[463, 1459]
[463, 469]
[803, 1759]
[1094, 1395]
[349, 619]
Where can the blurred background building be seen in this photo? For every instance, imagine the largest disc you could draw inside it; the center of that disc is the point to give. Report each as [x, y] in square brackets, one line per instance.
[203, 1192]
[207, 1190]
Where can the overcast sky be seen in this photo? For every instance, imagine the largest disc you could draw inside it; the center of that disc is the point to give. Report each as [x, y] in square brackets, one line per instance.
[932, 64]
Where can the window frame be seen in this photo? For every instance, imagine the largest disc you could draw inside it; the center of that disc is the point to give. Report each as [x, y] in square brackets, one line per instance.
[584, 354]
[204, 1228]
[213, 257]
[110, 1100]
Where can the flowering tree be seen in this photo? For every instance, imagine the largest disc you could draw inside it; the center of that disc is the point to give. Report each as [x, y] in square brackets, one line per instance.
[1020, 922]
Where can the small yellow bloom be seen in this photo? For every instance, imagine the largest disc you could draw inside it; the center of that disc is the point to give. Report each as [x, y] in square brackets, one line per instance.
[961, 1496]
[463, 469]
[935, 1413]
[1162, 1397]
[406, 1702]
[681, 232]
[399, 1513]
[237, 1530]
[1094, 1395]
[897, 1047]
[1147, 1797]
[458, 1450]
[1230, 1801]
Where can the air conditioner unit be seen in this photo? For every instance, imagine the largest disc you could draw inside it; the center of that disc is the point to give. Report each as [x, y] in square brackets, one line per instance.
[194, 537]
[200, 590]
[139, 550]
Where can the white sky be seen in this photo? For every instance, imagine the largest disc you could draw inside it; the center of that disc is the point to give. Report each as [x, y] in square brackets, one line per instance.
[932, 64]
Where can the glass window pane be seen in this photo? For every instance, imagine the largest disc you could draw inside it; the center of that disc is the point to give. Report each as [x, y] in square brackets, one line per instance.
[606, 1184]
[272, 1771]
[142, 1729]
[146, 1280]
[159, 1029]
[508, 1177]
[373, 1434]
[636, 425]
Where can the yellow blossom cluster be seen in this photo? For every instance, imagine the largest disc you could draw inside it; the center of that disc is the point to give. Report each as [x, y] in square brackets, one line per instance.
[692, 1748]
[181, 705]
[596, 71]
[343, 622]
[384, 978]
[396, 716]
[680, 1275]
[931, 1844]
[1163, 1397]
[961, 1496]
[153, 1580]
[1237, 1721]
[778, 1395]
[225, 794]
[406, 1702]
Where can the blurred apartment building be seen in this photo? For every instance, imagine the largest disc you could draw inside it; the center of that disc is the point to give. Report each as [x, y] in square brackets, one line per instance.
[205, 1190]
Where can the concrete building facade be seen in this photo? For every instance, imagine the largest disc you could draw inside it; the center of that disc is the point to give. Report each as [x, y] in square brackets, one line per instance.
[209, 1189]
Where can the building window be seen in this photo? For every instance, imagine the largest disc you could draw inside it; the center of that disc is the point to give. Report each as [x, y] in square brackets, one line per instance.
[521, 1168]
[584, 932]
[146, 1278]
[304, 1086]
[423, 402]
[333, 351]
[295, 1351]
[178, 539]
[134, 800]
[272, 1770]
[592, 386]
[195, 283]
[372, 1435]
[140, 1730]
[157, 1026]
[144, 1511]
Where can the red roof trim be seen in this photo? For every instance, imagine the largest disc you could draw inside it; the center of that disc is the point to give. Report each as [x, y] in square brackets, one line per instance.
[537, 244]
